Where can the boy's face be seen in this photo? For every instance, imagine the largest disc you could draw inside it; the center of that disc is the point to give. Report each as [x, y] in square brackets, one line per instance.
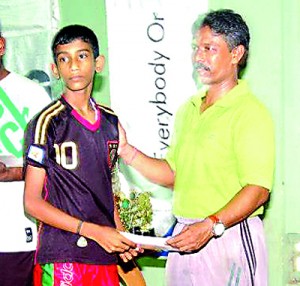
[76, 65]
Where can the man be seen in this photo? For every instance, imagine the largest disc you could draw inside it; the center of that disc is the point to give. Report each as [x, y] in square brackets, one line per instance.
[220, 163]
[20, 99]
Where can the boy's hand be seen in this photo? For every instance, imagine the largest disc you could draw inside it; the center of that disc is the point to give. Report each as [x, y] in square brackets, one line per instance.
[131, 253]
[107, 237]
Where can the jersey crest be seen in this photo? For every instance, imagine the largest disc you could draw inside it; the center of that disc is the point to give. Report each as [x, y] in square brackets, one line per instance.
[113, 153]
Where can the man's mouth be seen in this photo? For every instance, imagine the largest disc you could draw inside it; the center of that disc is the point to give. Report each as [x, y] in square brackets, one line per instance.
[201, 66]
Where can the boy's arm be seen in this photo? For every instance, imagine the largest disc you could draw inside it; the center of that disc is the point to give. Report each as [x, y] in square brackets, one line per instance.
[118, 222]
[109, 238]
[10, 174]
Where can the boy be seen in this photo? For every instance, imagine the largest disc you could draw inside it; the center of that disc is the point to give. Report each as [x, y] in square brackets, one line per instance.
[71, 150]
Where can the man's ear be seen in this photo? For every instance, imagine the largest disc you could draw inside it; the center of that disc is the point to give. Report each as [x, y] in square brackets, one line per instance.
[99, 63]
[55, 71]
[237, 54]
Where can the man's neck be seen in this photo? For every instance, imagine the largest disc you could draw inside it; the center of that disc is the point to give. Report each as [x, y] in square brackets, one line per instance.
[215, 92]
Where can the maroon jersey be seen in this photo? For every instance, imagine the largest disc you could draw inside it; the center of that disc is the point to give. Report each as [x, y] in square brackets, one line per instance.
[78, 158]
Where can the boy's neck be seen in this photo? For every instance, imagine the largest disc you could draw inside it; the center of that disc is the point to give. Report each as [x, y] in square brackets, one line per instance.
[83, 105]
[78, 100]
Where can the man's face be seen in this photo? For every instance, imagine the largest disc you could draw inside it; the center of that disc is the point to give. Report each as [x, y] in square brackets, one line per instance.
[76, 65]
[211, 58]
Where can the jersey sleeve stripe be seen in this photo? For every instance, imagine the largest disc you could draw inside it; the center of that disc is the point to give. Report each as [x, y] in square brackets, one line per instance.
[107, 109]
[43, 122]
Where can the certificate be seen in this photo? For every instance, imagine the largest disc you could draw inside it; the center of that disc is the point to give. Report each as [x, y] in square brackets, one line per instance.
[150, 242]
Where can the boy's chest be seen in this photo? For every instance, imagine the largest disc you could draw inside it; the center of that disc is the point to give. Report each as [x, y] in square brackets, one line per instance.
[75, 145]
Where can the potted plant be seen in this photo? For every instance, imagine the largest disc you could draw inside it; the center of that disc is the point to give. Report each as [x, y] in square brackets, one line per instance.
[135, 211]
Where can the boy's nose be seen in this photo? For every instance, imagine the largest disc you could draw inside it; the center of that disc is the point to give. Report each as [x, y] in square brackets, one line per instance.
[74, 64]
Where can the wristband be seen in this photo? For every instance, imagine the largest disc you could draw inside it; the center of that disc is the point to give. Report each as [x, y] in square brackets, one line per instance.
[78, 230]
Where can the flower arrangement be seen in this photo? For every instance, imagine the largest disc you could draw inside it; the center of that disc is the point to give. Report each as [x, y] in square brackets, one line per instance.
[135, 211]
[135, 207]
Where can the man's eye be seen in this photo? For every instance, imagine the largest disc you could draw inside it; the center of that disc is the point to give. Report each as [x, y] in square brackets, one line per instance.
[211, 48]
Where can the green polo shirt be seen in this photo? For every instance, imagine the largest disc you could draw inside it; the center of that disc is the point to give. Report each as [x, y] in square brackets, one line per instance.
[218, 152]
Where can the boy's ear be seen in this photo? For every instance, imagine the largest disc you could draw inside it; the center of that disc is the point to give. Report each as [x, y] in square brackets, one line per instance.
[99, 63]
[55, 70]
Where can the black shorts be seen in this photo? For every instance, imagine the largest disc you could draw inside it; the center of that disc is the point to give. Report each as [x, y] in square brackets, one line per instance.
[16, 268]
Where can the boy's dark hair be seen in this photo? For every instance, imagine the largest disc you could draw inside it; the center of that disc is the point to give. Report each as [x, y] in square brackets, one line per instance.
[71, 33]
[231, 26]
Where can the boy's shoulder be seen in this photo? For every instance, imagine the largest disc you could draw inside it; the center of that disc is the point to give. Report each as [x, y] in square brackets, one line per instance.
[53, 109]
[106, 109]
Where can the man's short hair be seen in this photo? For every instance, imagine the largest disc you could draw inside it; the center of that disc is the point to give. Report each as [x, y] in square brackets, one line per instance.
[230, 25]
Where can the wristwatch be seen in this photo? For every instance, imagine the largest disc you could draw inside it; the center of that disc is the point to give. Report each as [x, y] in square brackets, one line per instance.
[218, 227]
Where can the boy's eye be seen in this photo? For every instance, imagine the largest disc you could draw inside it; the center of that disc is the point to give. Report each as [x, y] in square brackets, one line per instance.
[63, 59]
[83, 55]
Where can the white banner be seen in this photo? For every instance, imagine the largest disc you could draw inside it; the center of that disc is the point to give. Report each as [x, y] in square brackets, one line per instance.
[150, 76]
[28, 26]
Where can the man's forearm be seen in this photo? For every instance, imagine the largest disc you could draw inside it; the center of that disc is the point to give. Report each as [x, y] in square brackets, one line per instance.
[10, 174]
[156, 170]
[250, 198]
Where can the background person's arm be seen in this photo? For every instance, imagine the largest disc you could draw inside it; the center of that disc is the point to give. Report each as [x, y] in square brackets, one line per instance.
[10, 174]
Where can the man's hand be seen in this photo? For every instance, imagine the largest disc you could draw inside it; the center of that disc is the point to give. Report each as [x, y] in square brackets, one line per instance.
[122, 138]
[192, 237]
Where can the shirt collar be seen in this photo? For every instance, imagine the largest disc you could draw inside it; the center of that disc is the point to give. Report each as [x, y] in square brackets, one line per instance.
[238, 92]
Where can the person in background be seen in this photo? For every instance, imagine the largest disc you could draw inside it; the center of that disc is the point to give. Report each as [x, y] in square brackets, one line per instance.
[70, 155]
[220, 164]
[20, 99]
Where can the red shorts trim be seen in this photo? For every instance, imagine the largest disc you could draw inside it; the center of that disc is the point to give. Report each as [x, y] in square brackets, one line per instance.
[75, 274]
